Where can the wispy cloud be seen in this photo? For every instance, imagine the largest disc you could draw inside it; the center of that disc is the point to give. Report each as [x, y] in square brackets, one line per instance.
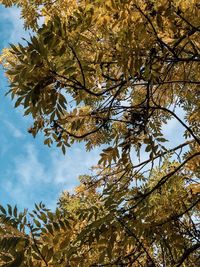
[58, 170]
[15, 30]
[28, 167]
[35, 178]
[14, 131]
[76, 162]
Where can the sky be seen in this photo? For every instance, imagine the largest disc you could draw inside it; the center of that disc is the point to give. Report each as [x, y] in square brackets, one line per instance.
[31, 172]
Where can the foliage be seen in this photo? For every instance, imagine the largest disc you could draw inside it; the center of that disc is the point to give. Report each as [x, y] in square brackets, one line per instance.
[111, 73]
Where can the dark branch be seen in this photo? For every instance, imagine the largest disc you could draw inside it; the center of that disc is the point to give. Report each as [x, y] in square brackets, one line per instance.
[163, 180]
[187, 253]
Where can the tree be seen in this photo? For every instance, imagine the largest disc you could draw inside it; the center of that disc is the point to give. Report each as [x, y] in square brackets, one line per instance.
[111, 73]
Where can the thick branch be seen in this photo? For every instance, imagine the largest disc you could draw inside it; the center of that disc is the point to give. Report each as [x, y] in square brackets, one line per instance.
[187, 253]
[163, 180]
[175, 217]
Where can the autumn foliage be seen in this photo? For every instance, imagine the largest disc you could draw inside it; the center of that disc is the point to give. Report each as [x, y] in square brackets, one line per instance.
[111, 74]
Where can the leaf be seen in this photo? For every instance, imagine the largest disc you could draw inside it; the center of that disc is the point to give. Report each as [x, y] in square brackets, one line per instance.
[148, 148]
[15, 211]
[161, 139]
[9, 210]
[18, 102]
[3, 210]
[63, 149]
[37, 223]
[50, 229]
[64, 244]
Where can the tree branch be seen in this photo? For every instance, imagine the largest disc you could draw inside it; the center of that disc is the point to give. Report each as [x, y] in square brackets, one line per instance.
[187, 253]
[37, 248]
[162, 181]
[181, 122]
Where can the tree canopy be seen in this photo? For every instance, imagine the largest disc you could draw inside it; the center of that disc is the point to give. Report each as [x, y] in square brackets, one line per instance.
[111, 74]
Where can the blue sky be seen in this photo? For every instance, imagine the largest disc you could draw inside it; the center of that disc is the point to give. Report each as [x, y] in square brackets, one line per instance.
[29, 171]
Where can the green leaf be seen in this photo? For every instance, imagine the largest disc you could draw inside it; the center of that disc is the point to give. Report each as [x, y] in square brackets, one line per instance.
[37, 223]
[148, 148]
[15, 211]
[9, 210]
[3, 210]
[63, 149]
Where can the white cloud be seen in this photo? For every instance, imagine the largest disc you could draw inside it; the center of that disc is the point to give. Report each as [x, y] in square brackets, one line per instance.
[13, 16]
[15, 192]
[59, 170]
[28, 167]
[13, 129]
[35, 177]
[17, 31]
[76, 162]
